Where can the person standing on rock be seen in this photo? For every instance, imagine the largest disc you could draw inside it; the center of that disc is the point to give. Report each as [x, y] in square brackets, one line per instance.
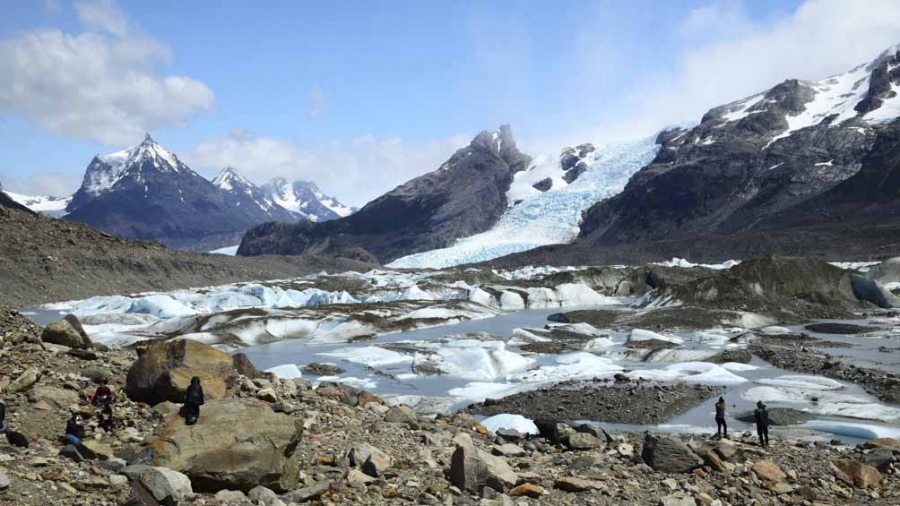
[720, 418]
[74, 430]
[762, 424]
[193, 399]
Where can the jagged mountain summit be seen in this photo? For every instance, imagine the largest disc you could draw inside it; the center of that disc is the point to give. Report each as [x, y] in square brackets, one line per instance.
[254, 201]
[146, 192]
[761, 162]
[305, 199]
[466, 195]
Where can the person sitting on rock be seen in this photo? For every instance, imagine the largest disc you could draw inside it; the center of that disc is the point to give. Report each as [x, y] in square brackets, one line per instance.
[103, 395]
[193, 399]
[74, 430]
[720, 418]
[106, 421]
[762, 424]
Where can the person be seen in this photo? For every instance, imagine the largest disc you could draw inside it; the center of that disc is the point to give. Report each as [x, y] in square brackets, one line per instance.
[74, 430]
[106, 421]
[762, 424]
[3, 425]
[720, 418]
[103, 395]
[193, 399]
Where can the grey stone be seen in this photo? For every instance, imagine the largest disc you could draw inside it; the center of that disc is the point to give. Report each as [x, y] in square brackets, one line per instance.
[166, 486]
[669, 455]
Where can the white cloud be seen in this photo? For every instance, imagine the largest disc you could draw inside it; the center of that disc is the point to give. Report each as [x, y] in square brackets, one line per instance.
[101, 84]
[355, 171]
[57, 184]
[729, 56]
[317, 100]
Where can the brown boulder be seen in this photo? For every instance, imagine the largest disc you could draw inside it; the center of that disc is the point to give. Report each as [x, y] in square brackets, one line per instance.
[861, 475]
[66, 332]
[766, 470]
[164, 370]
[235, 445]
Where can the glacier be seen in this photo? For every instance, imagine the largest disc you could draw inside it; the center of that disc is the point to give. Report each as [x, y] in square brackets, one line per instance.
[545, 218]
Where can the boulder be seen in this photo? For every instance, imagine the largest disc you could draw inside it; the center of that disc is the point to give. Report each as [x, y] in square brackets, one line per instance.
[669, 455]
[167, 486]
[861, 475]
[243, 365]
[766, 470]
[230, 497]
[402, 414]
[235, 445]
[376, 465]
[359, 454]
[260, 494]
[25, 381]
[527, 490]
[472, 469]
[568, 484]
[674, 500]
[56, 397]
[879, 458]
[93, 449]
[67, 332]
[70, 452]
[582, 441]
[164, 370]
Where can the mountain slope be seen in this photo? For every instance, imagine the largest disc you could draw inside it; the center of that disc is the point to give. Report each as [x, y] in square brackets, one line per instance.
[252, 201]
[146, 192]
[754, 159]
[548, 200]
[465, 196]
[305, 199]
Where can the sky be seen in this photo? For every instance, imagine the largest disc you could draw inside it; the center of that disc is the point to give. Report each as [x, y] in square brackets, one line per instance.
[362, 96]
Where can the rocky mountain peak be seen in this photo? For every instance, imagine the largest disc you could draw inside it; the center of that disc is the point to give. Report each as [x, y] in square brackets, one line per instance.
[229, 178]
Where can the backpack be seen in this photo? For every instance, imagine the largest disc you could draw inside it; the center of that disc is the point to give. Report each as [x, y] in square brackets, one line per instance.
[17, 439]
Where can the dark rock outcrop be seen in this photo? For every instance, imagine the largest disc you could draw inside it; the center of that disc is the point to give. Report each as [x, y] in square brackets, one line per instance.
[465, 196]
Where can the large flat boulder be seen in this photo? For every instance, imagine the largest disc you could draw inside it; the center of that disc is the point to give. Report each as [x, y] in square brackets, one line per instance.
[67, 332]
[164, 370]
[669, 455]
[235, 445]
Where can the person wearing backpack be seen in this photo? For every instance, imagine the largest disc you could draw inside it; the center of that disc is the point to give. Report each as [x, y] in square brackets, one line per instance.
[193, 399]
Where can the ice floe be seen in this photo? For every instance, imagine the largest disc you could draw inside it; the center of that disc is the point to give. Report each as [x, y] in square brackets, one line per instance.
[507, 421]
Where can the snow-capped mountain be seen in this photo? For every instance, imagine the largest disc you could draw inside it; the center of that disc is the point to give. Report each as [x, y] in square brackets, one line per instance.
[547, 201]
[766, 163]
[44, 204]
[251, 199]
[146, 192]
[464, 196]
[305, 199]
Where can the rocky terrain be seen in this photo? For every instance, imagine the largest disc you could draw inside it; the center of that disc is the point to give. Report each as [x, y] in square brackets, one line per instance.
[44, 260]
[465, 196]
[337, 445]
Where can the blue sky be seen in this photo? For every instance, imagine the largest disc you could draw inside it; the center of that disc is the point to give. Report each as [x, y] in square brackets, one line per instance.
[360, 96]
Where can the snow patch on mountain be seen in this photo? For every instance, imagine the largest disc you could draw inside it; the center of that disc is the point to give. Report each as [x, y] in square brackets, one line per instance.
[305, 199]
[551, 217]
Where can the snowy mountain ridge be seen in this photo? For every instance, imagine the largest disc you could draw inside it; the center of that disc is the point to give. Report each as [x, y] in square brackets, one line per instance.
[306, 199]
[538, 218]
[103, 176]
[45, 204]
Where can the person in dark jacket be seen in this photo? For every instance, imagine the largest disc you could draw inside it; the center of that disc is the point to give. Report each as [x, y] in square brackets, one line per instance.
[103, 395]
[762, 424]
[3, 425]
[720, 418]
[74, 430]
[193, 399]
[106, 421]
